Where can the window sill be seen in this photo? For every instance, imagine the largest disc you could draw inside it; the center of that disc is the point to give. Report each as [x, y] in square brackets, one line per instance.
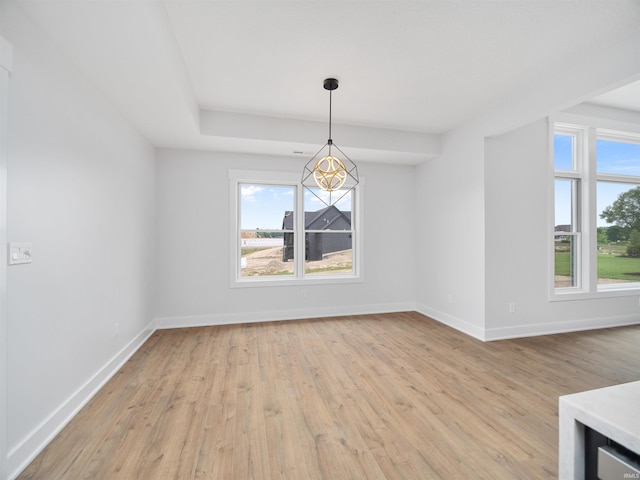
[604, 291]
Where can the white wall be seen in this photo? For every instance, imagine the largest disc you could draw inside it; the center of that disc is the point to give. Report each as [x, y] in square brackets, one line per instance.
[81, 188]
[5, 68]
[517, 203]
[452, 284]
[450, 274]
[193, 245]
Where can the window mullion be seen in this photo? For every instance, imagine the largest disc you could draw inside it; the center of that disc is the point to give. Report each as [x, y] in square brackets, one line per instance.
[355, 232]
[590, 226]
[613, 178]
[236, 222]
[568, 175]
[299, 234]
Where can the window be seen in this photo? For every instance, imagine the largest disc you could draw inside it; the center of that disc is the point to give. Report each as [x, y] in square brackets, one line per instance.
[618, 208]
[567, 230]
[266, 220]
[284, 234]
[596, 210]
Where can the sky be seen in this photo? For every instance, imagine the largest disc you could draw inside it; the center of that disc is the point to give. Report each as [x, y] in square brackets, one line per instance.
[612, 157]
[263, 206]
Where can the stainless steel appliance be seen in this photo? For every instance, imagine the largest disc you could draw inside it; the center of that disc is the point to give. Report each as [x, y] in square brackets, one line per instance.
[617, 463]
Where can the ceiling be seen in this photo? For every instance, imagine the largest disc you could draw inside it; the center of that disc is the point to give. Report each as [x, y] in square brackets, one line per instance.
[408, 70]
[625, 98]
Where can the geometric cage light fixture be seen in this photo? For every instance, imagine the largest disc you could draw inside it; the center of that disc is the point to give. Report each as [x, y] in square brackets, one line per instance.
[327, 175]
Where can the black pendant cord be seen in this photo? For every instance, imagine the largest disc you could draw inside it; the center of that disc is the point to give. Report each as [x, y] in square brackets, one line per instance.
[330, 84]
[330, 97]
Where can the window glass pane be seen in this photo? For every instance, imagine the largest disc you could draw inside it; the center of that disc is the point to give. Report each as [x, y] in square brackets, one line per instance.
[565, 208]
[617, 157]
[261, 261]
[328, 253]
[266, 219]
[565, 264]
[563, 146]
[265, 207]
[328, 236]
[314, 200]
[328, 218]
[618, 208]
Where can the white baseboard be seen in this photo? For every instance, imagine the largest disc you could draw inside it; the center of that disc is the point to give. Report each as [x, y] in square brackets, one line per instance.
[534, 330]
[453, 322]
[19, 457]
[530, 330]
[275, 315]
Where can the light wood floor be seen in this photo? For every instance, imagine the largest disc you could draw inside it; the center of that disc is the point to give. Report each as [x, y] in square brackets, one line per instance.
[396, 396]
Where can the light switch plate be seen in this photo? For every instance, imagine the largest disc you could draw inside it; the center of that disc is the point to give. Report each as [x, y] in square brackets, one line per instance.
[19, 253]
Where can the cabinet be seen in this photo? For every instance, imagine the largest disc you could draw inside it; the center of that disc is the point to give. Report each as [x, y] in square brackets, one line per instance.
[587, 420]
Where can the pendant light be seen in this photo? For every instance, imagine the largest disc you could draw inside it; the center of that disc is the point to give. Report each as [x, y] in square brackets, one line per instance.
[328, 176]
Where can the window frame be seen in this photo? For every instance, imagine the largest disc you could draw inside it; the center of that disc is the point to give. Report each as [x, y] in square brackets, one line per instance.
[238, 177]
[580, 219]
[587, 132]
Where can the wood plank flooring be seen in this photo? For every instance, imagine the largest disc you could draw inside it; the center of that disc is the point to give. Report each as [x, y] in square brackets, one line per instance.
[394, 396]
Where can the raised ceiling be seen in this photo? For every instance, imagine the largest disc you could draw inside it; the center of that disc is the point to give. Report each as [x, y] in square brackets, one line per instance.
[408, 70]
[626, 97]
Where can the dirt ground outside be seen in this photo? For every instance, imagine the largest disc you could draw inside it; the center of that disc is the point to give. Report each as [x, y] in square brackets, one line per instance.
[269, 262]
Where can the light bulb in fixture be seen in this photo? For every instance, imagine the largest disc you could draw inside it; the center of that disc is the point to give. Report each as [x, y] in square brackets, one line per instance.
[330, 173]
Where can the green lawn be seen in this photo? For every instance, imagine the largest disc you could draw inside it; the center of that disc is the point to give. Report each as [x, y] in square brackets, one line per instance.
[563, 264]
[609, 266]
[618, 267]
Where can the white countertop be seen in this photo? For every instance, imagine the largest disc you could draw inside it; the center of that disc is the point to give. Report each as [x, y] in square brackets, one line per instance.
[612, 411]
